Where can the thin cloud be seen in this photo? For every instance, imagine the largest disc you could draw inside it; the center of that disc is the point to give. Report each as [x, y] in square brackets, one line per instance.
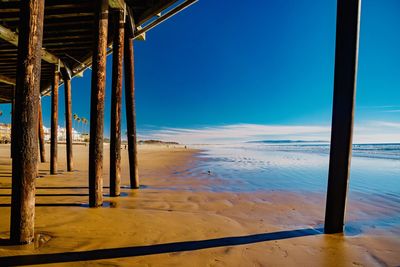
[379, 107]
[377, 131]
[392, 111]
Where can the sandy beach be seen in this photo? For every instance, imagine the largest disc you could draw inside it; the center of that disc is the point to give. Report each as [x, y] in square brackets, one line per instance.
[174, 220]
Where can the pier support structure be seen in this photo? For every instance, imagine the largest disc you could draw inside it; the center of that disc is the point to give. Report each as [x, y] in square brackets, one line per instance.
[54, 122]
[347, 37]
[68, 121]
[130, 109]
[12, 120]
[25, 132]
[97, 105]
[41, 133]
[116, 99]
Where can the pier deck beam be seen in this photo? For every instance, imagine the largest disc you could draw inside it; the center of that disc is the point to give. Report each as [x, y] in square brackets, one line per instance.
[25, 132]
[41, 134]
[116, 99]
[68, 121]
[97, 105]
[347, 37]
[130, 110]
[54, 123]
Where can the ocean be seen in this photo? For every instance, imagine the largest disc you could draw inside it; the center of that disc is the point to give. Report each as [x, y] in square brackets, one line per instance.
[303, 168]
[375, 168]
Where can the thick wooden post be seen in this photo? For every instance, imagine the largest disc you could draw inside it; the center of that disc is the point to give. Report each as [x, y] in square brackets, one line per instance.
[41, 134]
[54, 123]
[97, 105]
[115, 135]
[347, 35]
[130, 110]
[68, 122]
[25, 132]
[12, 120]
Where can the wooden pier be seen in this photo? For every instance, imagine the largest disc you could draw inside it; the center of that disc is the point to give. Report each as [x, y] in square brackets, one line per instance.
[43, 45]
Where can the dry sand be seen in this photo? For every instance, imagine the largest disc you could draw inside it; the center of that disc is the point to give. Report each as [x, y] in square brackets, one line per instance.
[174, 220]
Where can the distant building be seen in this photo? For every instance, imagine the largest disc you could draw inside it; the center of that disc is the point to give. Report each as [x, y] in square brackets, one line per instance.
[5, 134]
[62, 135]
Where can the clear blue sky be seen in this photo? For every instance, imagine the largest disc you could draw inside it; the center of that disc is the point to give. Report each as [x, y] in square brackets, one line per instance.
[255, 62]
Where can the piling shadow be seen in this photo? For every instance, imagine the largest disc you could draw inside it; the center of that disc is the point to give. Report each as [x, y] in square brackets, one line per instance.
[49, 205]
[101, 254]
[52, 195]
[58, 187]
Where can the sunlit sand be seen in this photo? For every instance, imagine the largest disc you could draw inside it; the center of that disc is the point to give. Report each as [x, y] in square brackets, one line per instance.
[175, 220]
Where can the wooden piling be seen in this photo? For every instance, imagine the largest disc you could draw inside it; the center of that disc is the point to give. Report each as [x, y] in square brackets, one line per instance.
[116, 99]
[97, 105]
[347, 36]
[25, 132]
[41, 133]
[68, 122]
[54, 123]
[12, 121]
[130, 110]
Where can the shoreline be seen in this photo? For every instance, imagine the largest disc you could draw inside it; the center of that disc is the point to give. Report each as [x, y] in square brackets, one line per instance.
[146, 227]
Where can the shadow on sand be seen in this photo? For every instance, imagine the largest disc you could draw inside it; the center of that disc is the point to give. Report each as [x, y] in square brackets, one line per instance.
[52, 195]
[3, 205]
[101, 254]
[57, 187]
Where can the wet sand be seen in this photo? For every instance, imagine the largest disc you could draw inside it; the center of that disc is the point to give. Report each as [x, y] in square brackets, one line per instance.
[175, 220]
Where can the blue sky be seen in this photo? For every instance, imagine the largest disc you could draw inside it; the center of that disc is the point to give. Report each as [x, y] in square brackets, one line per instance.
[260, 64]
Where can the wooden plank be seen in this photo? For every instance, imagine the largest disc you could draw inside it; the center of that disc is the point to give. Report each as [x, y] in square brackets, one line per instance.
[54, 123]
[164, 17]
[25, 133]
[12, 38]
[97, 105]
[346, 58]
[117, 4]
[6, 79]
[116, 102]
[130, 111]
[151, 12]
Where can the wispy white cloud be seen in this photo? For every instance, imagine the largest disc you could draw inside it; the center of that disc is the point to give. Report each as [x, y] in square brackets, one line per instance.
[385, 124]
[392, 111]
[382, 109]
[377, 131]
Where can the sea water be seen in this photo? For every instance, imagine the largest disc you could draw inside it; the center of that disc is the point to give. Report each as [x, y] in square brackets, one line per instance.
[300, 167]
[303, 167]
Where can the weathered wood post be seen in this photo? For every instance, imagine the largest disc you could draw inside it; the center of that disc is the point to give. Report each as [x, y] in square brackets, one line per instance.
[347, 36]
[130, 109]
[116, 98]
[68, 121]
[54, 122]
[97, 105]
[25, 132]
[41, 134]
[12, 120]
